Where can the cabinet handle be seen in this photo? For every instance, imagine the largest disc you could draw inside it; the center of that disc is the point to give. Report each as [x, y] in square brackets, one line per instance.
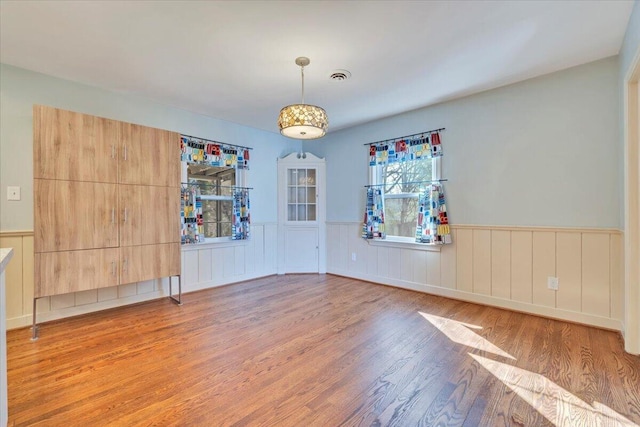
[124, 265]
[113, 268]
[124, 151]
[125, 215]
[113, 151]
[113, 215]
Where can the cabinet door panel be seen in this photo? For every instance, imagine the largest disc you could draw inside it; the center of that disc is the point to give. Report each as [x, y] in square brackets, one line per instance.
[74, 146]
[149, 215]
[130, 207]
[164, 214]
[72, 271]
[71, 215]
[149, 156]
[138, 263]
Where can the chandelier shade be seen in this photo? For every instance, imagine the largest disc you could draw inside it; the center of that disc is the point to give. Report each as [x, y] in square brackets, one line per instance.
[303, 121]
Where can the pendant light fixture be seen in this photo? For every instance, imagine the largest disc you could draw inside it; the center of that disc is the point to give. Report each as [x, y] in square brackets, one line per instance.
[303, 121]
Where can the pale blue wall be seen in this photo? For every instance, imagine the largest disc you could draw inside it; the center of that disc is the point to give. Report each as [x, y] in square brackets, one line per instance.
[631, 41]
[543, 152]
[20, 89]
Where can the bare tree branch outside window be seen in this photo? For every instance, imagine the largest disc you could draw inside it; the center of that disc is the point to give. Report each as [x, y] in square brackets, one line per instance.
[401, 195]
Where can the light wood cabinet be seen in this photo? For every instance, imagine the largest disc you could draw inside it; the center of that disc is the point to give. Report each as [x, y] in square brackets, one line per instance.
[147, 262]
[148, 156]
[73, 146]
[106, 202]
[86, 219]
[72, 271]
[149, 215]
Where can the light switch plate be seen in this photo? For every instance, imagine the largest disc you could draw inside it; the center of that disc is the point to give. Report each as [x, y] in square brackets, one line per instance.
[13, 193]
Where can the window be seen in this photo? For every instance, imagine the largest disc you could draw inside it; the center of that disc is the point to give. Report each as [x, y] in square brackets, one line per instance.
[301, 195]
[402, 183]
[216, 191]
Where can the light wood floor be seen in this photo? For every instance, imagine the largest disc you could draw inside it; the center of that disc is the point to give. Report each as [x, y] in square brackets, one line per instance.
[309, 350]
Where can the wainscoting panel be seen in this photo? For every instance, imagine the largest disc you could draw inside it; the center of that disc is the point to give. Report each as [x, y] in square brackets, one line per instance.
[448, 266]
[203, 266]
[522, 266]
[595, 273]
[500, 257]
[481, 255]
[464, 260]
[506, 267]
[617, 276]
[544, 266]
[569, 260]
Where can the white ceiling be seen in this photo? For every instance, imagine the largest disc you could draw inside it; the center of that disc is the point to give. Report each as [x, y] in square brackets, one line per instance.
[234, 60]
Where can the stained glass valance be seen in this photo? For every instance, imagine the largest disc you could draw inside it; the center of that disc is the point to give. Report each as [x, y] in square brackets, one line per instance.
[198, 150]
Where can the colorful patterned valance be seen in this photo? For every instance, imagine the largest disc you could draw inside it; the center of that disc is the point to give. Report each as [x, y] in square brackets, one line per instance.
[241, 226]
[405, 149]
[192, 226]
[373, 224]
[433, 223]
[196, 150]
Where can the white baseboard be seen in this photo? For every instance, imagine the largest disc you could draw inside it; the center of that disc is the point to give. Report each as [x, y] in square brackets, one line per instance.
[22, 321]
[554, 313]
[235, 279]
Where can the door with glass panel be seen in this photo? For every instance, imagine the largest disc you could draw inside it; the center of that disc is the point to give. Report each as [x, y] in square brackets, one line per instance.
[301, 214]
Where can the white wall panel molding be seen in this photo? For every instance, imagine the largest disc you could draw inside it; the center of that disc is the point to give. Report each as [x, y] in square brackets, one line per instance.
[505, 267]
[536, 228]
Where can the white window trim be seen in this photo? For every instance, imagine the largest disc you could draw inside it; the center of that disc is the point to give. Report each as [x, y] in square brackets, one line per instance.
[241, 181]
[211, 197]
[213, 242]
[401, 241]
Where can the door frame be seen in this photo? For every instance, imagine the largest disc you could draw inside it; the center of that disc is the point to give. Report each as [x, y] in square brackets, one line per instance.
[632, 207]
[302, 160]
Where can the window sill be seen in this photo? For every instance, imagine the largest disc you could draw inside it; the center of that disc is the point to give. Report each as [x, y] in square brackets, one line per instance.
[404, 243]
[215, 242]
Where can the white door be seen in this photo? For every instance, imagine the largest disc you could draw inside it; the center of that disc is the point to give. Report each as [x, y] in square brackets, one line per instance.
[301, 213]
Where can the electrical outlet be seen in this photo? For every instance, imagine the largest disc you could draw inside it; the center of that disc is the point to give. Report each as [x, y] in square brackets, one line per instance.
[552, 283]
[13, 193]
[353, 256]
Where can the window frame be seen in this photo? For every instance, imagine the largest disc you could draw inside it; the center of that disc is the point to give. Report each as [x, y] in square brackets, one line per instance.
[376, 178]
[240, 181]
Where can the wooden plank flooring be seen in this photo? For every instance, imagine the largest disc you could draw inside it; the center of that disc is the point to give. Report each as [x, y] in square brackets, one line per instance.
[319, 350]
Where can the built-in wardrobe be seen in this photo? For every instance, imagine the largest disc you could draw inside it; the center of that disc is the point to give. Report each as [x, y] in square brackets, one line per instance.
[106, 202]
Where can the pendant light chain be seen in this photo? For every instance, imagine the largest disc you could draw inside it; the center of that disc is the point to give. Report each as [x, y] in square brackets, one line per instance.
[302, 73]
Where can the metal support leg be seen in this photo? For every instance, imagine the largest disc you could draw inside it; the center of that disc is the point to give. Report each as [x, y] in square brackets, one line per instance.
[179, 299]
[34, 328]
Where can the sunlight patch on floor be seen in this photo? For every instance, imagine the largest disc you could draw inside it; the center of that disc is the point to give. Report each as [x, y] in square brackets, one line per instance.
[461, 333]
[559, 406]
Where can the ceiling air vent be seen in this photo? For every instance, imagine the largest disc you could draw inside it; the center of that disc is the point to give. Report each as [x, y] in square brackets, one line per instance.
[339, 75]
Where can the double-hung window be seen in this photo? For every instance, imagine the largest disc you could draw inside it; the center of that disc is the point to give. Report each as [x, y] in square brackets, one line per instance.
[216, 193]
[402, 183]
